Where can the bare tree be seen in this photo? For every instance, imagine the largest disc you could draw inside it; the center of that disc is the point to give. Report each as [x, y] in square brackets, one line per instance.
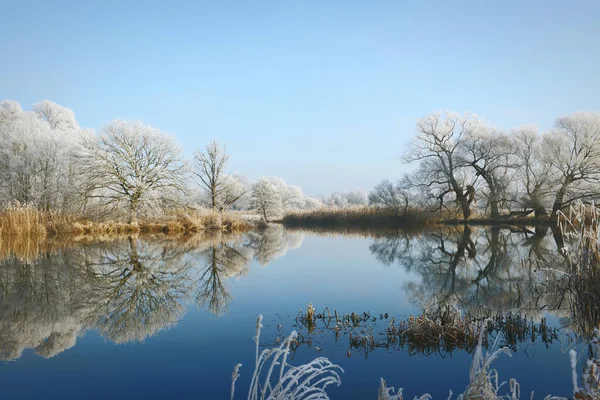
[390, 196]
[487, 152]
[533, 170]
[573, 149]
[223, 189]
[436, 148]
[133, 163]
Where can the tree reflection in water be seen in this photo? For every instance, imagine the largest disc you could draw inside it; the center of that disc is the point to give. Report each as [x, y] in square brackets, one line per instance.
[131, 288]
[128, 289]
[494, 268]
[141, 285]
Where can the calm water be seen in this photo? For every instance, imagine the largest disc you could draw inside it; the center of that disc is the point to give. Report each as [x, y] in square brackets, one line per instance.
[137, 318]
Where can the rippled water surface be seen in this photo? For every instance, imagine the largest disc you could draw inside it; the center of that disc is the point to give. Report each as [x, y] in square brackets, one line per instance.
[155, 317]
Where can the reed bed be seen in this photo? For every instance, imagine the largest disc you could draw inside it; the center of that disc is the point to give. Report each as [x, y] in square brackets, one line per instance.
[22, 221]
[362, 216]
[25, 221]
[581, 224]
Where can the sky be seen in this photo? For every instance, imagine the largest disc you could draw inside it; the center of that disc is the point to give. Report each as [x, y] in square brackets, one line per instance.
[323, 93]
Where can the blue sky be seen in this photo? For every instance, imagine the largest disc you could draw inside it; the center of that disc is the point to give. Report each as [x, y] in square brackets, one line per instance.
[322, 93]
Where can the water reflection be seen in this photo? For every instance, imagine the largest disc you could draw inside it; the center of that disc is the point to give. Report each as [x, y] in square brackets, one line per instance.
[139, 287]
[128, 289]
[131, 288]
[222, 260]
[493, 268]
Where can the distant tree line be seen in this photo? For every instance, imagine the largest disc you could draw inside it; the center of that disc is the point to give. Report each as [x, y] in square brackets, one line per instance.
[463, 165]
[126, 168]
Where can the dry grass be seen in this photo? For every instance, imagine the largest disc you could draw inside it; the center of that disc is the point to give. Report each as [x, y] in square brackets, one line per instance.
[356, 216]
[23, 222]
[581, 224]
[27, 222]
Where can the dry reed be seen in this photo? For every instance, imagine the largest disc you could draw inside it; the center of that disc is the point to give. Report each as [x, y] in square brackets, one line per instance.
[581, 224]
[25, 221]
[22, 221]
[357, 216]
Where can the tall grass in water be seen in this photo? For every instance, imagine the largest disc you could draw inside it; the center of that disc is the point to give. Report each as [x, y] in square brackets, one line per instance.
[22, 221]
[356, 216]
[581, 224]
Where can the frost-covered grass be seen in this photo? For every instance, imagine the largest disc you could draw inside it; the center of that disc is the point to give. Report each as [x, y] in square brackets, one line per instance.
[274, 378]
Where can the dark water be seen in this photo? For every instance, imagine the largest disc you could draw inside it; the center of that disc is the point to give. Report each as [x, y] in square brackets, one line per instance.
[139, 318]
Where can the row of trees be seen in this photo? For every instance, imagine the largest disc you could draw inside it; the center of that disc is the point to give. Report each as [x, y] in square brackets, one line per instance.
[47, 160]
[464, 163]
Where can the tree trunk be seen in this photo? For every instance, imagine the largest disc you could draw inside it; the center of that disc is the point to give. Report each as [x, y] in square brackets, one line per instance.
[214, 197]
[540, 211]
[133, 211]
[560, 196]
[491, 184]
[494, 212]
[464, 204]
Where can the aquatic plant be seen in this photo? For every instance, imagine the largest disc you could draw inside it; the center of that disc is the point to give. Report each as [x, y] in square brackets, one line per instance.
[442, 331]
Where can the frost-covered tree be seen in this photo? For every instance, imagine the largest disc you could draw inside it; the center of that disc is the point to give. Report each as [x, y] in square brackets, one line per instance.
[291, 195]
[346, 199]
[487, 152]
[223, 189]
[531, 187]
[391, 196]
[58, 118]
[573, 148]
[338, 200]
[266, 199]
[437, 150]
[133, 164]
[357, 198]
[312, 203]
[36, 155]
[235, 194]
